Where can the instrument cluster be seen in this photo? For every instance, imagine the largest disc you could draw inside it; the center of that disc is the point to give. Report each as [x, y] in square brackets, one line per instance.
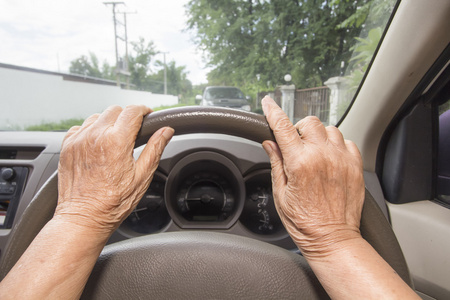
[206, 191]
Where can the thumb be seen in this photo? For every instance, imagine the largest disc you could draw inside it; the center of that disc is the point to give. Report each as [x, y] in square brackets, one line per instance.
[149, 159]
[279, 179]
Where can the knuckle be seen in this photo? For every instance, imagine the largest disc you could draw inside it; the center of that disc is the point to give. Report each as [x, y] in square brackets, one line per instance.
[332, 130]
[94, 116]
[135, 108]
[311, 119]
[282, 124]
[309, 122]
[113, 109]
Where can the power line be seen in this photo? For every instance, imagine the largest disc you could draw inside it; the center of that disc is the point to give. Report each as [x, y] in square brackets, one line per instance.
[121, 65]
[126, 44]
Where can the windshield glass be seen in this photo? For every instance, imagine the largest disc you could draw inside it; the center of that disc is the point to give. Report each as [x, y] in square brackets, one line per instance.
[223, 93]
[61, 61]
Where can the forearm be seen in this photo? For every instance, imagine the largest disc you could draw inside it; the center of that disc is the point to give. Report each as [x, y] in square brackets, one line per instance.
[56, 265]
[356, 271]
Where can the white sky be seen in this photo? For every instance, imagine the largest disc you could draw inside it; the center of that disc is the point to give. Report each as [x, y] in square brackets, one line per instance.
[48, 34]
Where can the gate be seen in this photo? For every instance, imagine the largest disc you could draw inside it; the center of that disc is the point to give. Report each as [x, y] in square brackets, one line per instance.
[312, 102]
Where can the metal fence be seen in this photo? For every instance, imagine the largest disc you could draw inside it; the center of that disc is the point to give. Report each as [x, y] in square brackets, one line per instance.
[308, 102]
[312, 102]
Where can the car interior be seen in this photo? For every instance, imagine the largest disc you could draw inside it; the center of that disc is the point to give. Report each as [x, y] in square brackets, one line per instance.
[171, 247]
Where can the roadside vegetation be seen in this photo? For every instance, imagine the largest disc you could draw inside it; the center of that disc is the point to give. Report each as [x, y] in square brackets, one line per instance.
[65, 125]
[253, 44]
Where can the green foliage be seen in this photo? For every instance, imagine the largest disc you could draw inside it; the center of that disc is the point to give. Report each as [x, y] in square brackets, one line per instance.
[243, 38]
[89, 66]
[178, 84]
[362, 55]
[369, 14]
[56, 126]
[140, 64]
[375, 14]
[146, 73]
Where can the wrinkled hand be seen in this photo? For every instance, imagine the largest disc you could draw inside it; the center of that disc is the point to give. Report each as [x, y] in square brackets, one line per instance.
[99, 181]
[317, 181]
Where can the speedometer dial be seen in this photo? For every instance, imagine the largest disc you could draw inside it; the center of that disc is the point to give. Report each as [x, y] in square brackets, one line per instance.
[150, 215]
[205, 190]
[205, 197]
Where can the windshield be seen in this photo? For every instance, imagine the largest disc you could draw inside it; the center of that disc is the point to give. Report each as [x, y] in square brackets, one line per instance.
[61, 61]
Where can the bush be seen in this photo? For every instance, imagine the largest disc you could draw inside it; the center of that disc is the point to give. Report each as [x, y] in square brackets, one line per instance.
[56, 126]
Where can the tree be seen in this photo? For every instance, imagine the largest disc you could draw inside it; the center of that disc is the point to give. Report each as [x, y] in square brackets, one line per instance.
[243, 38]
[177, 82]
[372, 18]
[374, 15]
[87, 66]
[141, 67]
[139, 62]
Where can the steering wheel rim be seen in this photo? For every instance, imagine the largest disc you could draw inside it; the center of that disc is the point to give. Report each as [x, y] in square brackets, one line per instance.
[109, 268]
[207, 119]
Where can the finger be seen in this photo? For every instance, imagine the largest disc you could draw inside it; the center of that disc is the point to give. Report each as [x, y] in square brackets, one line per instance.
[279, 179]
[149, 159]
[109, 116]
[353, 149]
[335, 136]
[285, 133]
[71, 131]
[312, 129]
[130, 120]
[90, 120]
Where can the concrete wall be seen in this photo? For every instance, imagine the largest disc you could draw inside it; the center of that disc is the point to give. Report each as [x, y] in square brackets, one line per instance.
[31, 98]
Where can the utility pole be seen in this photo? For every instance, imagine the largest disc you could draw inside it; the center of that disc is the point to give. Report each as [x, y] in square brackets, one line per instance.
[165, 74]
[126, 46]
[115, 37]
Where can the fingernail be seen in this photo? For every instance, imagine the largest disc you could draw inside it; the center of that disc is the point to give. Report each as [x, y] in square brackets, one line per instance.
[168, 133]
[264, 103]
[267, 146]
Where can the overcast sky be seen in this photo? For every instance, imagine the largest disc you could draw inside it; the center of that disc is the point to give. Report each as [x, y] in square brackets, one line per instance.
[48, 34]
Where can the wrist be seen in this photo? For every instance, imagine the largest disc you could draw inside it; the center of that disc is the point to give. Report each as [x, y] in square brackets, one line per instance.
[80, 227]
[327, 243]
[88, 214]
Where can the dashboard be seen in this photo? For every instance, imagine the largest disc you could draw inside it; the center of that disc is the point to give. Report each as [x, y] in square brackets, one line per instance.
[204, 182]
[209, 182]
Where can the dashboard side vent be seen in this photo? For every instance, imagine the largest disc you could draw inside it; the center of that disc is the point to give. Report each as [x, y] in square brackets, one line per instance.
[23, 153]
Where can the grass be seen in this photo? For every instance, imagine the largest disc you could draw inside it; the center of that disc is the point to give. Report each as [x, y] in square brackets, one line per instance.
[65, 125]
[171, 106]
[55, 126]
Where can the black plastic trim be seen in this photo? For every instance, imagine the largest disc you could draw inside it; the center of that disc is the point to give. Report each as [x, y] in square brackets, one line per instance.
[419, 107]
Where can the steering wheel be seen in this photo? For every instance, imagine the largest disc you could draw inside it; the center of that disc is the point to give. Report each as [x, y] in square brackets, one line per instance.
[195, 264]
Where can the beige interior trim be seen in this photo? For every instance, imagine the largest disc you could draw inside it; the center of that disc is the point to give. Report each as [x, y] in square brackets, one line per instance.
[423, 230]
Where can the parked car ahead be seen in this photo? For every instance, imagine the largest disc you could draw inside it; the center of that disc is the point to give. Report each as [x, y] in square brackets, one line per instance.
[224, 96]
